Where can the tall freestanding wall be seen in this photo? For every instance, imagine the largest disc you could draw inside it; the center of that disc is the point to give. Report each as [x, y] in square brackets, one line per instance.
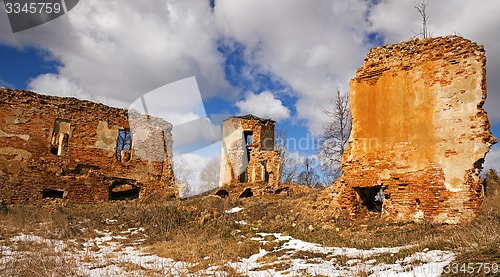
[248, 154]
[420, 134]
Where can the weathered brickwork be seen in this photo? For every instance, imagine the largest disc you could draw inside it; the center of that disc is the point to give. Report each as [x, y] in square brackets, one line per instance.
[67, 148]
[248, 155]
[420, 134]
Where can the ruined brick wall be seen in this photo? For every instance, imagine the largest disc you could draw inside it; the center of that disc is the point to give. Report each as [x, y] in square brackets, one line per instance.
[65, 147]
[257, 161]
[419, 132]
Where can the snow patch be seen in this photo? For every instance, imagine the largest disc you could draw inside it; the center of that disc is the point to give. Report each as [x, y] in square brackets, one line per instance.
[233, 210]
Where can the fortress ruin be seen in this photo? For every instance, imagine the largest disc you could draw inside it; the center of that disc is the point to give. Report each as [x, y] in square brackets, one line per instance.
[418, 142]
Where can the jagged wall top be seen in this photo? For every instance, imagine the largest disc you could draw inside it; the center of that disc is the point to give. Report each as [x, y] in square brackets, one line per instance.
[413, 52]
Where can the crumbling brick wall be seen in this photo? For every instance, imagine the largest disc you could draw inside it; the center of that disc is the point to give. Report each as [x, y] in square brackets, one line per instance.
[67, 148]
[248, 155]
[420, 134]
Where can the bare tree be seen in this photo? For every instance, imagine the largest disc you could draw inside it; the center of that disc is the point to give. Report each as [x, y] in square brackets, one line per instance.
[422, 10]
[288, 164]
[336, 135]
[182, 176]
[182, 173]
[309, 175]
[210, 175]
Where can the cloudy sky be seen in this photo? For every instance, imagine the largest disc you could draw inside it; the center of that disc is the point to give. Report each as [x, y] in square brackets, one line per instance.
[282, 59]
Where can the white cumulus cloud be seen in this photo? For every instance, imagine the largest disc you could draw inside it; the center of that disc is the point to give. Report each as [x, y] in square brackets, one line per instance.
[477, 20]
[123, 49]
[264, 104]
[314, 48]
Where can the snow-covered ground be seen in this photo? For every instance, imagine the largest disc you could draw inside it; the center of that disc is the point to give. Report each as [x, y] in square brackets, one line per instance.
[336, 261]
[109, 255]
[104, 255]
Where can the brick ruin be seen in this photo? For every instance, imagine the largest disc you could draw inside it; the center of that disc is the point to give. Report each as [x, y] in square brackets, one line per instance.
[52, 147]
[418, 142]
[420, 134]
[249, 163]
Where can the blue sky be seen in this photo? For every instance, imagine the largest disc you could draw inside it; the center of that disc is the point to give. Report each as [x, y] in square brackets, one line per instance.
[287, 55]
[32, 61]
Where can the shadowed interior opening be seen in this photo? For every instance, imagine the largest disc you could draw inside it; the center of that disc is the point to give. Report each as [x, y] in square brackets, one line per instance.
[52, 193]
[246, 193]
[371, 197]
[123, 190]
[222, 193]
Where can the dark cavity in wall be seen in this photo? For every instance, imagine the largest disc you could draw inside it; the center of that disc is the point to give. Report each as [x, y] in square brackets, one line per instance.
[371, 197]
[280, 190]
[123, 189]
[266, 173]
[222, 193]
[246, 193]
[52, 193]
[247, 137]
[244, 176]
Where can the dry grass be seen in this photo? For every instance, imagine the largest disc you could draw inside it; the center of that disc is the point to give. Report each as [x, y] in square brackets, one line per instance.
[206, 244]
[391, 258]
[482, 232]
[38, 259]
[197, 231]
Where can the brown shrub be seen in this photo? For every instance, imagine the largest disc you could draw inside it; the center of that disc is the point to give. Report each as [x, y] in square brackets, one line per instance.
[492, 182]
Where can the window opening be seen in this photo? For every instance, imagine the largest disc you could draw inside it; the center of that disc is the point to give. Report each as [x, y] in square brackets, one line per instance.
[63, 144]
[248, 135]
[123, 145]
[60, 137]
[244, 176]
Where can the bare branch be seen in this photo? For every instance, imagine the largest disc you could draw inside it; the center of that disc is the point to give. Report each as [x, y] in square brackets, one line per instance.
[210, 174]
[182, 172]
[336, 135]
[289, 166]
[422, 10]
[309, 175]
